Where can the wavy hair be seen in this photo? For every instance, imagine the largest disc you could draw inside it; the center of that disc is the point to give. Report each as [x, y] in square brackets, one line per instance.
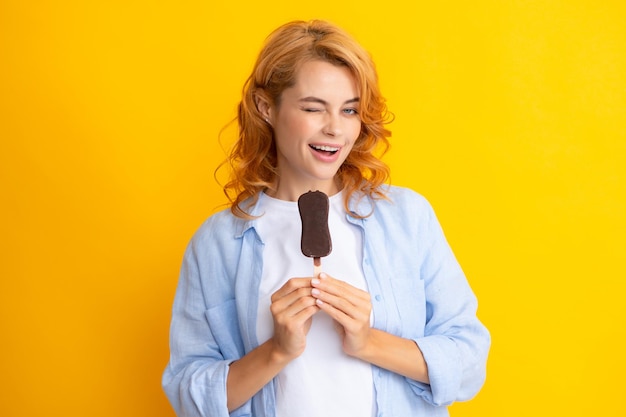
[253, 158]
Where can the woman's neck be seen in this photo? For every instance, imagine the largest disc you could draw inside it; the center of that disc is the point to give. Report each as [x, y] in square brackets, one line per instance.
[291, 192]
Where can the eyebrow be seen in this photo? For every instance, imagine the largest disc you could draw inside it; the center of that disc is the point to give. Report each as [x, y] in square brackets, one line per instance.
[311, 99]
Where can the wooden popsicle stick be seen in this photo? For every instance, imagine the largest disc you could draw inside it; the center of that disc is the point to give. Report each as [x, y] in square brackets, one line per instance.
[317, 266]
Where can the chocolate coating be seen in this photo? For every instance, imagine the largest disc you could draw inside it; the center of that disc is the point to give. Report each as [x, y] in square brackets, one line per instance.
[315, 242]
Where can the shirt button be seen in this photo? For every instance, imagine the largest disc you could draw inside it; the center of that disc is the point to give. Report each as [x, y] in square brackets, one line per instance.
[378, 297]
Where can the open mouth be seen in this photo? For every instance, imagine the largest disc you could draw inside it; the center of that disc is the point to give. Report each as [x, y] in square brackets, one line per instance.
[328, 150]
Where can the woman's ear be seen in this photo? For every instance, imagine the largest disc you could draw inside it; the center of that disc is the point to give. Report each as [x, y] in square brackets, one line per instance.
[263, 106]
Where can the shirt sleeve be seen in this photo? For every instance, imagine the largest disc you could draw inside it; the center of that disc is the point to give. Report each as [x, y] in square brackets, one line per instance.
[455, 343]
[195, 377]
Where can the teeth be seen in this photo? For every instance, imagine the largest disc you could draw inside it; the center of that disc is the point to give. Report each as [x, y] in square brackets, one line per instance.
[325, 148]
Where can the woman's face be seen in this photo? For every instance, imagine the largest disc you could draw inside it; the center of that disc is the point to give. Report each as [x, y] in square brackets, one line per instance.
[315, 126]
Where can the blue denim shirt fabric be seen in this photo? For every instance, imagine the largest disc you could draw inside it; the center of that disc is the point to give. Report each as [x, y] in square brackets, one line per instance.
[417, 288]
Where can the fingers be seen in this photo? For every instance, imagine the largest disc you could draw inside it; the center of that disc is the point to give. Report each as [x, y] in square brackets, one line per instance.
[291, 286]
[349, 306]
[294, 299]
[339, 293]
[296, 311]
[292, 308]
[341, 300]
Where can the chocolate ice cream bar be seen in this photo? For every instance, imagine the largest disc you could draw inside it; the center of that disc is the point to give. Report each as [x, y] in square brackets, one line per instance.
[315, 242]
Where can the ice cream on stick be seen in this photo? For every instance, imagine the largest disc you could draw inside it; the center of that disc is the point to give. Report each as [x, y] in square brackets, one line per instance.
[315, 242]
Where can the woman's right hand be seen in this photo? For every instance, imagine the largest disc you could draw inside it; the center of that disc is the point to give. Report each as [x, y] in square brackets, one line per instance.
[292, 309]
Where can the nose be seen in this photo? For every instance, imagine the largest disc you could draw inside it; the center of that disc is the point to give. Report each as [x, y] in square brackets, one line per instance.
[332, 127]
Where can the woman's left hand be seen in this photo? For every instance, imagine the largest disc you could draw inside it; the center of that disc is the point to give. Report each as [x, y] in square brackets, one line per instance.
[349, 306]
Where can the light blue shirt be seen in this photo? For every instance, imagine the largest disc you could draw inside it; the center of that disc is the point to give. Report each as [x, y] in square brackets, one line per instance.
[418, 292]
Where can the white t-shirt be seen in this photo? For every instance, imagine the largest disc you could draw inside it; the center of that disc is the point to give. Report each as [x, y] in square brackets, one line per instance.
[323, 381]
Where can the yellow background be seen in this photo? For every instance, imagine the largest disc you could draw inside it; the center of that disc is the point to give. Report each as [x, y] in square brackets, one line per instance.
[510, 119]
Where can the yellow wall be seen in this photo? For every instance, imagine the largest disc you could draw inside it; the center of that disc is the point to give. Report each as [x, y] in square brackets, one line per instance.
[510, 119]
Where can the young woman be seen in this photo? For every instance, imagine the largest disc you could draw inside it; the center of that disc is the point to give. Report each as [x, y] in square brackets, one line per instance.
[388, 328]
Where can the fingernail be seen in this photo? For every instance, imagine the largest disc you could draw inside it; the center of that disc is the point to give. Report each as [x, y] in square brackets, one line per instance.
[315, 281]
[315, 291]
[318, 302]
[323, 275]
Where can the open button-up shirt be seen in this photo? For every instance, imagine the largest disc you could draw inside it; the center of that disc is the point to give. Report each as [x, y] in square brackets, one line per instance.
[418, 291]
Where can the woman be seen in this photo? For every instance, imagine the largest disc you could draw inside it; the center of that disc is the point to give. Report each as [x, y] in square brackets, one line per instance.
[388, 328]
